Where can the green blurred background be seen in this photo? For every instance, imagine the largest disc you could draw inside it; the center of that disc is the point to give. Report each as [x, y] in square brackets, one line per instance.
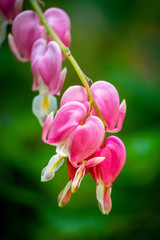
[116, 41]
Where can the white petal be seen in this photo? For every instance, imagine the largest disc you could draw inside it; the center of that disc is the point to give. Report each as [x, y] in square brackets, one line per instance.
[100, 196]
[54, 164]
[78, 178]
[62, 149]
[43, 105]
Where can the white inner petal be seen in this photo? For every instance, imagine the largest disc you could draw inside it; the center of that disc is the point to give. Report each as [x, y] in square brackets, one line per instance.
[43, 105]
[62, 149]
[100, 196]
[53, 165]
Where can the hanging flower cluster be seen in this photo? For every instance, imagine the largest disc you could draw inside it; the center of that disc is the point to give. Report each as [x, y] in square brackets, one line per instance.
[86, 114]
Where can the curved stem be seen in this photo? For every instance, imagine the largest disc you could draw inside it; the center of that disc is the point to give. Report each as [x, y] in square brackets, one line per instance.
[84, 79]
[90, 108]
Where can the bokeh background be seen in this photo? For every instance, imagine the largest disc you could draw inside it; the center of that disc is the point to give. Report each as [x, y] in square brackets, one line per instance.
[113, 40]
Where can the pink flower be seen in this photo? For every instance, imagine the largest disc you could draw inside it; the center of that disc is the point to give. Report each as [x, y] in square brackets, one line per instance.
[46, 63]
[107, 171]
[60, 23]
[107, 99]
[72, 139]
[9, 9]
[26, 29]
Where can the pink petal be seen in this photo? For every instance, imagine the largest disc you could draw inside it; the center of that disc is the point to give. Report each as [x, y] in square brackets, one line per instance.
[50, 66]
[94, 161]
[15, 50]
[46, 61]
[10, 8]
[61, 81]
[38, 50]
[115, 157]
[86, 139]
[26, 29]
[121, 116]
[75, 93]
[46, 127]
[68, 117]
[107, 99]
[60, 22]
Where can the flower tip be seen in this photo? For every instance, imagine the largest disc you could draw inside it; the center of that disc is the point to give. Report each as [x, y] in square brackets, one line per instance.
[15, 50]
[123, 106]
[45, 175]
[65, 195]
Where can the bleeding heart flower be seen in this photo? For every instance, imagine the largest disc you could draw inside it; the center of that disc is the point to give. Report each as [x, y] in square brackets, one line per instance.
[9, 9]
[60, 23]
[107, 171]
[46, 63]
[26, 29]
[73, 139]
[107, 99]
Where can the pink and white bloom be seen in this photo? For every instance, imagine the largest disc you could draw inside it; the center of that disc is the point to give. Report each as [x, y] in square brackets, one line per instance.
[26, 29]
[72, 138]
[46, 63]
[9, 9]
[107, 171]
[107, 99]
[60, 23]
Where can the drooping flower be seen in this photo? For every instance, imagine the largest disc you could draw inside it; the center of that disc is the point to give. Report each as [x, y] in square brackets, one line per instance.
[107, 99]
[46, 63]
[26, 29]
[60, 23]
[9, 9]
[72, 138]
[107, 171]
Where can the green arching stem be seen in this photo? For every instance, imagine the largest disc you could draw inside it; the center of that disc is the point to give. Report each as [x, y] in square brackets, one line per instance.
[84, 79]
